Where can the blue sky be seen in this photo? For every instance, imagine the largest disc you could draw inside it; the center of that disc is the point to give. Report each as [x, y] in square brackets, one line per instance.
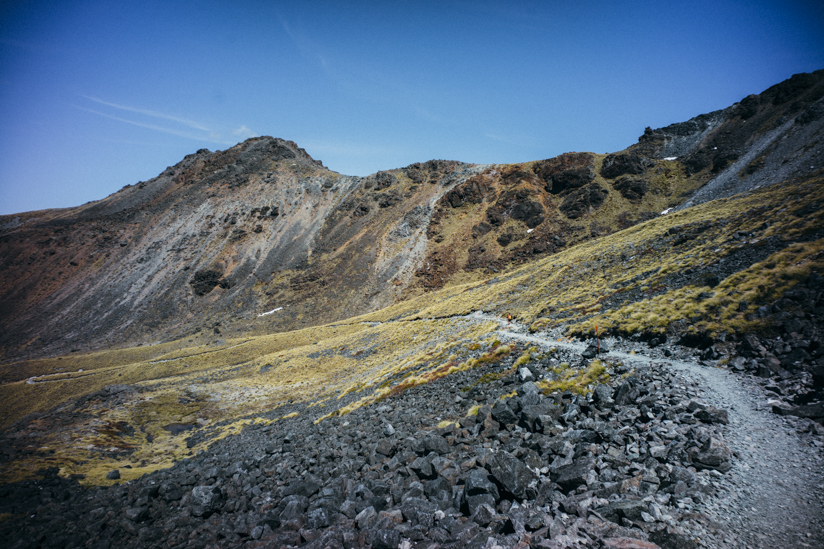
[95, 95]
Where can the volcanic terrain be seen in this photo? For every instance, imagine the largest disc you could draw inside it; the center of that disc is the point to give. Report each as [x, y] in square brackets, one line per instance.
[591, 350]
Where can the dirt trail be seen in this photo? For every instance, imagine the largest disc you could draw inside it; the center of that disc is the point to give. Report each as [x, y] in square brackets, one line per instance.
[774, 495]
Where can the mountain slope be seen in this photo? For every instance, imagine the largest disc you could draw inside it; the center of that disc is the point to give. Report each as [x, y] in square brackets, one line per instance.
[461, 408]
[219, 239]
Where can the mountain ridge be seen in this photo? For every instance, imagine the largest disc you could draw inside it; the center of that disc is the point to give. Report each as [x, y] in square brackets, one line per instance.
[283, 231]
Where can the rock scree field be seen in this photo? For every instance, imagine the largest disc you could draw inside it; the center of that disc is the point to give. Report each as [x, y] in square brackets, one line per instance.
[601, 351]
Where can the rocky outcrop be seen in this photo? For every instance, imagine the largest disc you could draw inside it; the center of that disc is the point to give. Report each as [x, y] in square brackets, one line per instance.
[761, 140]
[581, 202]
[631, 188]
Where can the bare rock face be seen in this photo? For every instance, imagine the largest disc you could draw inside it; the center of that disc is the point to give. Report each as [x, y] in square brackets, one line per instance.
[621, 164]
[761, 140]
[566, 172]
[531, 213]
[205, 500]
[578, 203]
[470, 192]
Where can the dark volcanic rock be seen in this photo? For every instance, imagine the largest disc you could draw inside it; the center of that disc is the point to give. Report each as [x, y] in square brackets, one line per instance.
[622, 163]
[503, 414]
[712, 415]
[579, 202]
[385, 538]
[570, 179]
[811, 411]
[205, 281]
[205, 500]
[570, 477]
[669, 538]
[714, 454]
[630, 510]
[531, 213]
[512, 475]
[631, 188]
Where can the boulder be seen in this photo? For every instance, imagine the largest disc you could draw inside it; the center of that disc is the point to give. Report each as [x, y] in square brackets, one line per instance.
[478, 481]
[503, 414]
[630, 510]
[386, 538]
[712, 415]
[602, 396]
[670, 538]
[627, 543]
[714, 454]
[525, 374]
[511, 474]
[418, 510]
[593, 349]
[570, 477]
[810, 411]
[320, 518]
[205, 500]
[435, 444]
[385, 447]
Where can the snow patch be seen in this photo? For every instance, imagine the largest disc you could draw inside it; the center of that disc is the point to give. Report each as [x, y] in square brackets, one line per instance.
[665, 212]
[671, 158]
[529, 231]
[270, 312]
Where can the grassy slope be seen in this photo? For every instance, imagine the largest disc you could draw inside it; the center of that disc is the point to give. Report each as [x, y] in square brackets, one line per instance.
[622, 282]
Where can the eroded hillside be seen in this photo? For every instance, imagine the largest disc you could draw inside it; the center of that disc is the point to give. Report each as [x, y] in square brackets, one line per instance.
[216, 242]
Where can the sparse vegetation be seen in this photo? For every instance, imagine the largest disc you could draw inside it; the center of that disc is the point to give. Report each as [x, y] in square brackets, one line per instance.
[578, 381]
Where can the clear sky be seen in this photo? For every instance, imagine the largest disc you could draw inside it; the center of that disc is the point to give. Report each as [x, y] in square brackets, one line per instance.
[96, 94]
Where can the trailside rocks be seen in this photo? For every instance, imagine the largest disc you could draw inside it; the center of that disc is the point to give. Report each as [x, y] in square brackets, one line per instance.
[529, 469]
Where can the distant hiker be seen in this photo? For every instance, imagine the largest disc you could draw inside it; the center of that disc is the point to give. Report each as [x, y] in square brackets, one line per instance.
[509, 319]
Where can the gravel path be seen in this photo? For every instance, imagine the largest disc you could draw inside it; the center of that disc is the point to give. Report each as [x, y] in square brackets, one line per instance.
[774, 495]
